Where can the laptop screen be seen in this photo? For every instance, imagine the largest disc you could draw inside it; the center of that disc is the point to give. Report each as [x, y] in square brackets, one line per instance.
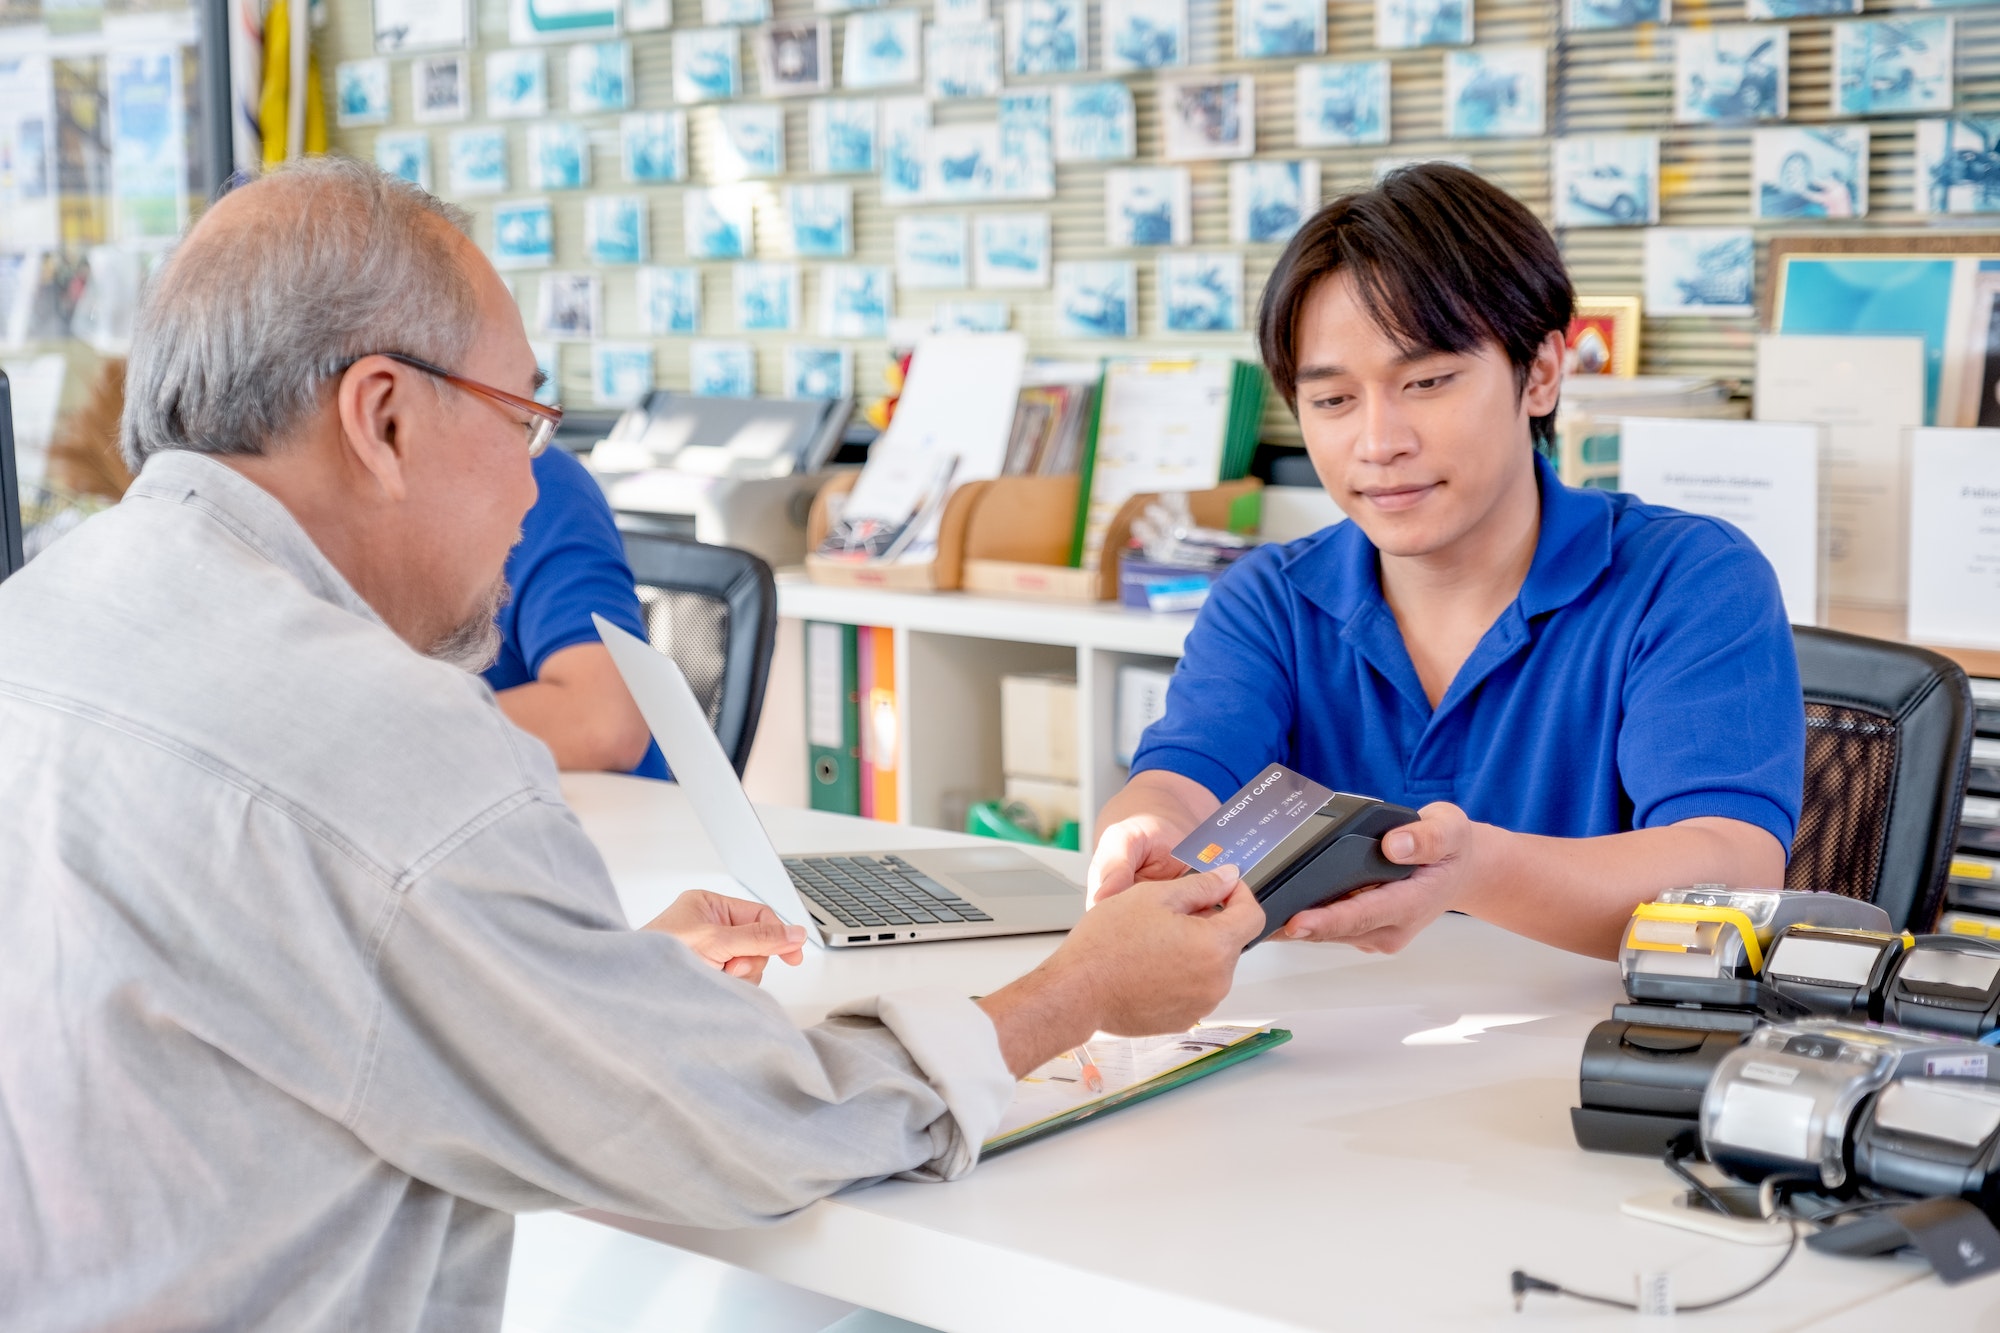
[11, 555]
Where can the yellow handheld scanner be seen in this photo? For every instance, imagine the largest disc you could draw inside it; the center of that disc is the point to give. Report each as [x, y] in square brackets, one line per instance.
[1706, 944]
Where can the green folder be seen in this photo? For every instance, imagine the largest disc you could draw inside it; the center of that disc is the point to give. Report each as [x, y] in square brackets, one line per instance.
[834, 776]
[1173, 1078]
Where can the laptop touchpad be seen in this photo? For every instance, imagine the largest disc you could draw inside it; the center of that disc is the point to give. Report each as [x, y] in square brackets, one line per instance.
[999, 872]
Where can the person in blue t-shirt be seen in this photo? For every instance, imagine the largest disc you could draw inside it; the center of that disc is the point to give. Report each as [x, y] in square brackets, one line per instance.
[1589, 698]
[554, 676]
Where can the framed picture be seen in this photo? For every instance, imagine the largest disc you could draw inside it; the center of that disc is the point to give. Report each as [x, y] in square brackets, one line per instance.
[571, 306]
[795, 57]
[962, 59]
[767, 297]
[1585, 15]
[1201, 293]
[558, 156]
[405, 155]
[1144, 34]
[840, 135]
[615, 228]
[1892, 66]
[1148, 206]
[1010, 250]
[1809, 171]
[822, 220]
[402, 26]
[1604, 336]
[669, 301]
[1272, 29]
[361, 92]
[517, 84]
[970, 317]
[931, 251]
[1268, 201]
[705, 65]
[717, 224]
[905, 131]
[1496, 92]
[1402, 24]
[1798, 9]
[478, 161]
[718, 12]
[600, 76]
[1094, 122]
[523, 234]
[1958, 166]
[1045, 36]
[1700, 271]
[855, 300]
[1097, 299]
[819, 372]
[1342, 102]
[1209, 118]
[751, 143]
[621, 373]
[881, 50]
[652, 147]
[1607, 180]
[722, 369]
[1732, 74]
[440, 88]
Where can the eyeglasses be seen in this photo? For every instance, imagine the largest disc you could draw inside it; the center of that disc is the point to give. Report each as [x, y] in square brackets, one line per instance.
[542, 419]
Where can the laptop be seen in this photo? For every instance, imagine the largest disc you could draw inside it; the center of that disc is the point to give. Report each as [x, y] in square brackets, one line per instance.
[843, 901]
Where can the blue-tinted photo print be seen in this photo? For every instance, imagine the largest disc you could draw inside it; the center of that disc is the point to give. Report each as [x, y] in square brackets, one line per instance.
[1817, 171]
[1607, 180]
[717, 223]
[361, 92]
[621, 373]
[767, 297]
[1496, 92]
[1268, 201]
[524, 233]
[1891, 66]
[882, 49]
[1097, 299]
[722, 369]
[1731, 74]
[1342, 102]
[930, 251]
[600, 76]
[1148, 206]
[669, 301]
[840, 135]
[1094, 122]
[854, 300]
[558, 156]
[479, 161]
[1700, 271]
[1585, 15]
[706, 64]
[517, 84]
[1267, 29]
[615, 228]
[1144, 34]
[652, 147]
[1401, 24]
[906, 123]
[752, 142]
[1201, 293]
[406, 156]
[1799, 9]
[819, 372]
[1045, 36]
[822, 220]
[1958, 166]
[1010, 250]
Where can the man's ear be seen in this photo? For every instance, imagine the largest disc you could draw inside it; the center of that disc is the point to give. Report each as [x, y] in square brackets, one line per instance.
[1545, 375]
[372, 398]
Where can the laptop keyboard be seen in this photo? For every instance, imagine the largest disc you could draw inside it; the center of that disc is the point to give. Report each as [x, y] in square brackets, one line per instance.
[877, 892]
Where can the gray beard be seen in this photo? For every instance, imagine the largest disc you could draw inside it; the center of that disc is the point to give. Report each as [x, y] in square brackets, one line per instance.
[475, 644]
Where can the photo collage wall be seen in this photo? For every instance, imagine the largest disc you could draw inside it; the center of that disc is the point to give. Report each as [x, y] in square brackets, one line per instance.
[727, 197]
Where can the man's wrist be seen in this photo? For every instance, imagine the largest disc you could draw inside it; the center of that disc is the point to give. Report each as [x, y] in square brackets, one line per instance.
[1045, 1013]
[1491, 854]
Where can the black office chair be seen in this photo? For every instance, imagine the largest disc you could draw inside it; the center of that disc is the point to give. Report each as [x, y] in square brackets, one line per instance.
[714, 610]
[1888, 737]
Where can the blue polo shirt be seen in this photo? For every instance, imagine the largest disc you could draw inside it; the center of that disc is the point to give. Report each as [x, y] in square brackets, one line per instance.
[571, 562]
[1644, 675]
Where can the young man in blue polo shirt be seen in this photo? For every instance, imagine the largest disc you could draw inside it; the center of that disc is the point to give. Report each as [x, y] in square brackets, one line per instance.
[1590, 699]
[554, 676]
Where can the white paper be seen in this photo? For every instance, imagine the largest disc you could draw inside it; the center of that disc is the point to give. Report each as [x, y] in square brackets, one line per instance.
[421, 25]
[1762, 477]
[35, 385]
[825, 699]
[148, 144]
[1160, 428]
[951, 426]
[1867, 392]
[27, 152]
[1955, 537]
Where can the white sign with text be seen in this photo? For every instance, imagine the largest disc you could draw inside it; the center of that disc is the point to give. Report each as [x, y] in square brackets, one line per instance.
[1955, 537]
[1763, 477]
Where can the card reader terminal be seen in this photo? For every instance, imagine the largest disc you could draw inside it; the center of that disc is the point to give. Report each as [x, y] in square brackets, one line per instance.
[1334, 851]
[1949, 983]
[1706, 944]
[1832, 973]
[1932, 1136]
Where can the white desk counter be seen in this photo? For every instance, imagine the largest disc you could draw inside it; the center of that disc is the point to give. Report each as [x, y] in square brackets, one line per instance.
[1382, 1170]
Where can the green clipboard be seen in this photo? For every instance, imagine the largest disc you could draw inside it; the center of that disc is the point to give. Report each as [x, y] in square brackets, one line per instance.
[1188, 1073]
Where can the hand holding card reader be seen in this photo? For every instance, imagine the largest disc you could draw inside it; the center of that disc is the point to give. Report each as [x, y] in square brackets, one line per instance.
[1298, 845]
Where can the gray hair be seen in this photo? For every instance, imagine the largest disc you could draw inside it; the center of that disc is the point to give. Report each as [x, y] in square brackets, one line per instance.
[246, 325]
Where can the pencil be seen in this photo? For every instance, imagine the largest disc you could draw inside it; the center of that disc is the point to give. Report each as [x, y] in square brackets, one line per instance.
[1093, 1078]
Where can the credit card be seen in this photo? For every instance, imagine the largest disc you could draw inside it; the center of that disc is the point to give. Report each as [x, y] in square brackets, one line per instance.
[1252, 823]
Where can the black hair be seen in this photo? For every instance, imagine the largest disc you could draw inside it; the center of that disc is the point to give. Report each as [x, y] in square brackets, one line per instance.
[1442, 260]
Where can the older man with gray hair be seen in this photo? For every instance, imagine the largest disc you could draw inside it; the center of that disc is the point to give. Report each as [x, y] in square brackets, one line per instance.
[312, 978]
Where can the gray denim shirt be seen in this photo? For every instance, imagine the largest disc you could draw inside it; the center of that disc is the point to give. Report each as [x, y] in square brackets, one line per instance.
[310, 979]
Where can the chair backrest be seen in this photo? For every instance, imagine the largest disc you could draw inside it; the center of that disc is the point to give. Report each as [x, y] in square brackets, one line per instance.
[714, 610]
[1888, 736]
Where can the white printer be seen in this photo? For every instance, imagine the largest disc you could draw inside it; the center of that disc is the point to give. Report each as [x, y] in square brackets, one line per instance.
[731, 471]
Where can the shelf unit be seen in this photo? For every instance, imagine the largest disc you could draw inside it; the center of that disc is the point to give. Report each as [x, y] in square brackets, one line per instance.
[951, 650]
